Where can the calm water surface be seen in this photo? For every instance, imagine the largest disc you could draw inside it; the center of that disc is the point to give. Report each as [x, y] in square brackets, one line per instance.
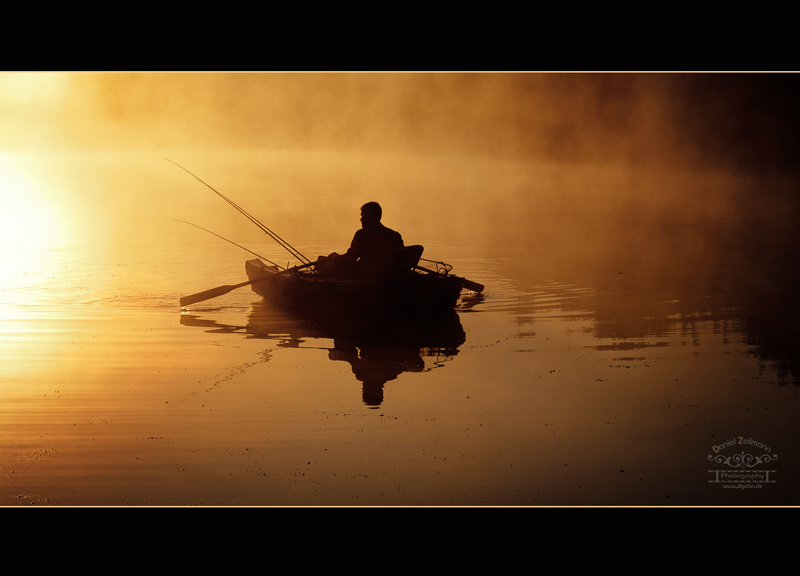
[627, 329]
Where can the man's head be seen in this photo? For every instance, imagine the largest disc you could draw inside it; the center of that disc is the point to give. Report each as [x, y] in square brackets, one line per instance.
[370, 214]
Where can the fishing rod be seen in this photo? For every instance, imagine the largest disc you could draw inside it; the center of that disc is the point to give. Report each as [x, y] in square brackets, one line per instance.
[231, 241]
[283, 243]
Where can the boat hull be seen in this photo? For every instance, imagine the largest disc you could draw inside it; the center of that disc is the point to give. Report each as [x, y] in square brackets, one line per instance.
[306, 290]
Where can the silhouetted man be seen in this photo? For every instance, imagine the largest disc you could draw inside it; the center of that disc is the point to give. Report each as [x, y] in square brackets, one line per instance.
[375, 252]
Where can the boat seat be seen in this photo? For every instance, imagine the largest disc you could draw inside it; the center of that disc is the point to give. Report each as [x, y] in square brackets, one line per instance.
[409, 256]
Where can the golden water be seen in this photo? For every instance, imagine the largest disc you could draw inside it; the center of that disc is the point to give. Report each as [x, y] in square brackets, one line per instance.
[630, 323]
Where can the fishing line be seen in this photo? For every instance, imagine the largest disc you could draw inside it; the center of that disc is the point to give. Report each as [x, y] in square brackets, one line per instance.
[285, 245]
[231, 241]
[266, 230]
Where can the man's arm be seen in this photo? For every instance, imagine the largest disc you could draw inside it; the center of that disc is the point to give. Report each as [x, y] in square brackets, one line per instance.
[356, 249]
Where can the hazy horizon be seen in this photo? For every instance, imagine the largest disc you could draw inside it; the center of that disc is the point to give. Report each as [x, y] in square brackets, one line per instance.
[728, 121]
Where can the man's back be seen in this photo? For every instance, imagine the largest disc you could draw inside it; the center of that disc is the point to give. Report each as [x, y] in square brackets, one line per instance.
[375, 251]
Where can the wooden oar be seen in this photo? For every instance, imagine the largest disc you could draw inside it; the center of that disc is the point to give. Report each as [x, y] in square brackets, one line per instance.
[468, 284]
[213, 293]
[222, 290]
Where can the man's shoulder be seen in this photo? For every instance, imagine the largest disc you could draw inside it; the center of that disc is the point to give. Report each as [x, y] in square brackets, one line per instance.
[392, 234]
[380, 234]
[389, 230]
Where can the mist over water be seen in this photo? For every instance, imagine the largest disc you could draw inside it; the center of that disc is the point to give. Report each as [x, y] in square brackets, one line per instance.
[640, 305]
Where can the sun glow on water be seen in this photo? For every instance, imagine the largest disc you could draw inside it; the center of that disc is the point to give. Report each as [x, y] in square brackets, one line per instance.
[28, 221]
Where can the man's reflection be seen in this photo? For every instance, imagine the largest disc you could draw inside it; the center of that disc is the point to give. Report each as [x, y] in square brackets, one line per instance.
[374, 366]
[378, 351]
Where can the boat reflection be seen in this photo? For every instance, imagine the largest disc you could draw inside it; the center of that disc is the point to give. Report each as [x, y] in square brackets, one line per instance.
[379, 348]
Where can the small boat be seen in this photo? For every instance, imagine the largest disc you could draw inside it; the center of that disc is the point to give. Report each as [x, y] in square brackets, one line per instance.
[304, 287]
[418, 289]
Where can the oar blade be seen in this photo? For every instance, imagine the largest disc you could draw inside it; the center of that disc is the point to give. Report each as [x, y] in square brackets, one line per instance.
[206, 295]
[221, 290]
[474, 286]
